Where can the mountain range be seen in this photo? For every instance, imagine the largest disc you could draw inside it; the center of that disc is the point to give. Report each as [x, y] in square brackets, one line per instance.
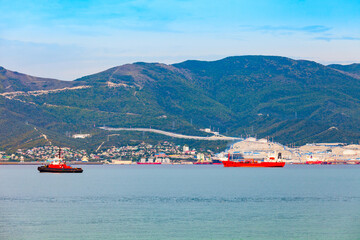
[290, 101]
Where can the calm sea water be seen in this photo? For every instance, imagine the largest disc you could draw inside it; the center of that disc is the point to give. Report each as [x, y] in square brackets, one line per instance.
[181, 202]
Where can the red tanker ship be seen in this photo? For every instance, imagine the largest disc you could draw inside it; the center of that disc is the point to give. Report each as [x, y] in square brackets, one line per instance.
[236, 160]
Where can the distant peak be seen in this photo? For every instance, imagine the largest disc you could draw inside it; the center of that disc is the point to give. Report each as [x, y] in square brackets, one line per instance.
[344, 65]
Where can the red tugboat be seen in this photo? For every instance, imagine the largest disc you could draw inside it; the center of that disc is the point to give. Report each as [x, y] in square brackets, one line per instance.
[58, 165]
[236, 160]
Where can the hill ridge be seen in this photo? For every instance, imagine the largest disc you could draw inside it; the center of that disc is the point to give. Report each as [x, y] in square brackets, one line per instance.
[268, 96]
[12, 81]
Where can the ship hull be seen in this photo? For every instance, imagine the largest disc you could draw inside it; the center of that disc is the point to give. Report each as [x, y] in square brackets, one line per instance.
[155, 163]
[59, 170]
[252, 164]
[313, 162]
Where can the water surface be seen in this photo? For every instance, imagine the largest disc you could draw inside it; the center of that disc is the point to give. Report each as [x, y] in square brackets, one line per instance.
[181, 202]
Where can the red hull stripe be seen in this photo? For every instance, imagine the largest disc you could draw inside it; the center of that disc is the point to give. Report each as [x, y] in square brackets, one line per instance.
[148, 163]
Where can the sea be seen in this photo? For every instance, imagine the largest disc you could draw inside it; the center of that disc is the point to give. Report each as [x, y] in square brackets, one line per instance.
[181, 202]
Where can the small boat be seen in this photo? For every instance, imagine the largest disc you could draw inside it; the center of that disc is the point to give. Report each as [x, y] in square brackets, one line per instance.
[235, 160]
[58, 165]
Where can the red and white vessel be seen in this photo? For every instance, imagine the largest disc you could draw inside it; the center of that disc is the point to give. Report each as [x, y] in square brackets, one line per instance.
[236, 160]
[58, 165]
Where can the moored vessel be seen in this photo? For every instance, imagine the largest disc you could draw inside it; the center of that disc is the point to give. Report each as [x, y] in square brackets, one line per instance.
[148, 163]
[236, 160]
[203, 163]
[315, 162]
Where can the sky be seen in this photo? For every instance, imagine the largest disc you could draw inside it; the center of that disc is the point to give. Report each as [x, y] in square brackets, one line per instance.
[69, 39]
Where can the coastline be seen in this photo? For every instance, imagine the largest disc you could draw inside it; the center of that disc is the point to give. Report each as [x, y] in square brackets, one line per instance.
[42, 163]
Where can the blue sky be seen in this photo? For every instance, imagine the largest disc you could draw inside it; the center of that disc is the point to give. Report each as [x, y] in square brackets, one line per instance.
[70, 39]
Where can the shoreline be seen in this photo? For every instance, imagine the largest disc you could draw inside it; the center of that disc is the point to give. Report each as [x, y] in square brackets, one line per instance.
[351, 163]
[42, 163]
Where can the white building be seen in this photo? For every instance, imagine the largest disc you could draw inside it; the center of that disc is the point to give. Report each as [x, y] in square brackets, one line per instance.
[185, 148]
[81, 135]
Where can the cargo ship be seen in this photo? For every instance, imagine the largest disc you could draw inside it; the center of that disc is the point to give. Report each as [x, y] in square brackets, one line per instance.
[236, 160]
[58, 165]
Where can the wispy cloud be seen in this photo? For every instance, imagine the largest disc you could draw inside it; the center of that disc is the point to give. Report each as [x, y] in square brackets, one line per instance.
[306, 29]
[314, 29]
[332, 38]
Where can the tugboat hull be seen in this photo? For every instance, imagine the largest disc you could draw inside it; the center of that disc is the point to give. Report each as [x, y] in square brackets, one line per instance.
[60, 170]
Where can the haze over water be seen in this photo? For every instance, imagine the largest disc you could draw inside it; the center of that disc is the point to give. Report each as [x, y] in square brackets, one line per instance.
[181, 202]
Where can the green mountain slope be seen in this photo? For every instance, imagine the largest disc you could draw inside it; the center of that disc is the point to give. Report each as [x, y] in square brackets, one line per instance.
[290, 100]
[144, 95]
[267, 92]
